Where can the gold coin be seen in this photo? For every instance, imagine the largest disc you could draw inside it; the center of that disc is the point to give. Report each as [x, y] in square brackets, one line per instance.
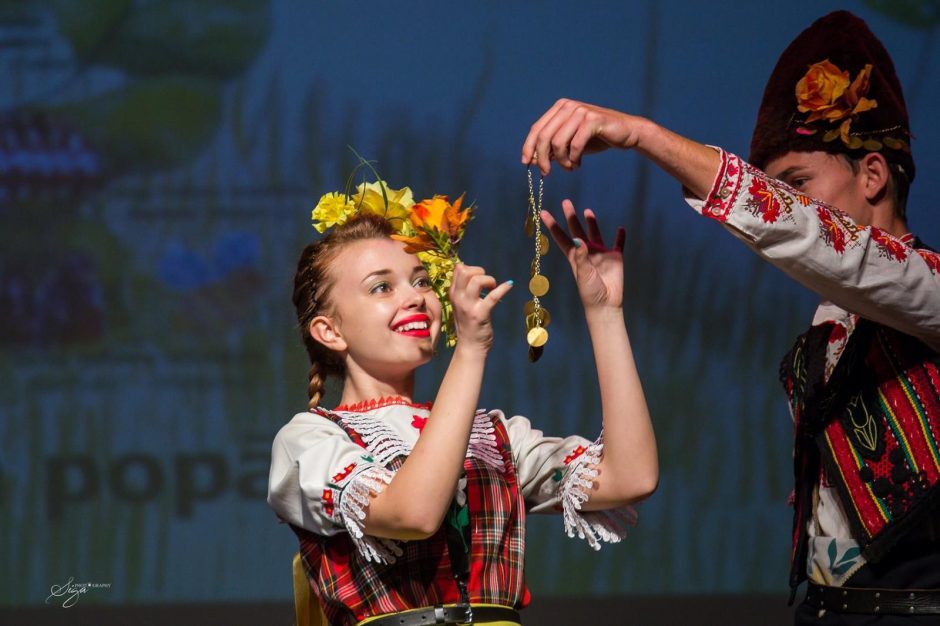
[539, 318]
[537, 337]
[529, 226]
[531, 321]
[535, 353]
[542, 244]
[538, 286]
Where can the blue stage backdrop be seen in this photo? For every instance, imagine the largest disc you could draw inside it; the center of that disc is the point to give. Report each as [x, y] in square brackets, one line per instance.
[158, 164]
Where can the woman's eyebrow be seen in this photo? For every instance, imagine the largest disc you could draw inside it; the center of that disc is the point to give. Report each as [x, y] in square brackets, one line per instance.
[375, 274]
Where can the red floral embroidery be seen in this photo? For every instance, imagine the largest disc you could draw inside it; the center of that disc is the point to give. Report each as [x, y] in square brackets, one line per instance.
[419, 422]
[931, 258]
[328, 501]
[343, 474]
[768, 206]
[575, 454]
[831, 230]
[889, 246]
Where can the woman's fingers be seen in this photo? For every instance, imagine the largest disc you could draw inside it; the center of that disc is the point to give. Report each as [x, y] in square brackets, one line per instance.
[594, 230]
[593, 239]
[562, 240]
[496, 294]
[478, 283]
[574, 224]
[463, 273]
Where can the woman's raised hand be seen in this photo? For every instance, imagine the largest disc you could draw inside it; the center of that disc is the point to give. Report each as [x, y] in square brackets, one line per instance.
[473, 310]
[598, 270]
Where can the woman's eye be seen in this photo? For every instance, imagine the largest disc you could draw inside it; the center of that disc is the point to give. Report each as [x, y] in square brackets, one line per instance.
[798, 183]
[380, 288]
[423, 282]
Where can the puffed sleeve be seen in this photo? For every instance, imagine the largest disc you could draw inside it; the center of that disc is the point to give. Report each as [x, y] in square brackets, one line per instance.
[557, 474]
[321, 481]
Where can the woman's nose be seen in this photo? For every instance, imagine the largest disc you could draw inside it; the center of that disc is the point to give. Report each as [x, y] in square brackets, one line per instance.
[414, 298]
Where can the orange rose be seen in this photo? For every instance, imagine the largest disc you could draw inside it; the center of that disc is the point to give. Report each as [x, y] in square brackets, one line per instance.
[430, 214]
[819, 91]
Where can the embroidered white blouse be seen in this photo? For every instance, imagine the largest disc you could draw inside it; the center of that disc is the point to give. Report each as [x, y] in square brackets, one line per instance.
[860, 271]
[320, 479]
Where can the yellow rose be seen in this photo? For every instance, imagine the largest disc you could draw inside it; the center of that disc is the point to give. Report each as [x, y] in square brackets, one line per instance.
[819, 91]
[368, 197]
[333, 209]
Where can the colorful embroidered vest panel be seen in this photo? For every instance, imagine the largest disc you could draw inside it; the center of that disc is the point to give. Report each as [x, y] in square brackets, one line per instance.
[351, 588]
[873, 429]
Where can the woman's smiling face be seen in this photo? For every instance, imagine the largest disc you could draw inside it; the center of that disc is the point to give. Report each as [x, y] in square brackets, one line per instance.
[383, 307]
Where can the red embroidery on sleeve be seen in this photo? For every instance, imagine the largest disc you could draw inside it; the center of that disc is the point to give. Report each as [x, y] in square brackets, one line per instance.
[346, 472]
[575, 454]
[831, 233]
[419, 422]
[888, 245]
[768, 207]
[328, 502]
[931, 258]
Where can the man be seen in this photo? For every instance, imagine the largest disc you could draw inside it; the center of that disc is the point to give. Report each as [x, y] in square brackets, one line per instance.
[832, 139]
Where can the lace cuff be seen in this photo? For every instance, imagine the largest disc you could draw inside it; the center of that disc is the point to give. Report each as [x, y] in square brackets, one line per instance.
[353, 504]
[593, 526]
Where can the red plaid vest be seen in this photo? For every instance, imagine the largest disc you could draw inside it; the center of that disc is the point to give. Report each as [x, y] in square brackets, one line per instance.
[873, 429]
[351, 589]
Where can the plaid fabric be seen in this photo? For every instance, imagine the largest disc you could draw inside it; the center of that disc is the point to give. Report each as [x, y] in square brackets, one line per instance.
[876, 435]
[351, 588]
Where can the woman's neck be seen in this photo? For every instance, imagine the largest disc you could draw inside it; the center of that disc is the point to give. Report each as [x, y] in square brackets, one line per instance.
[359, 387]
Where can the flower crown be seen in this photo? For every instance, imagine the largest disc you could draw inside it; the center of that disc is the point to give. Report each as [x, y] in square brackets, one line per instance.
[430, 229]
[825, 93]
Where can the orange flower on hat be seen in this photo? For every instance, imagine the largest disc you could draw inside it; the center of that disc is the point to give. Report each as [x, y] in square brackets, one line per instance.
[826, 94]
[820, 90]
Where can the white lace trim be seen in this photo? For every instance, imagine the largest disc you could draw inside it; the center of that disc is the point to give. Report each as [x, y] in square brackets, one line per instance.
[482, 443]
[383, 443]
[594, 526]
[353, 504]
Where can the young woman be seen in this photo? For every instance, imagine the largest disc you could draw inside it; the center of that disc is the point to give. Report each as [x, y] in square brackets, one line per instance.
[413, 513]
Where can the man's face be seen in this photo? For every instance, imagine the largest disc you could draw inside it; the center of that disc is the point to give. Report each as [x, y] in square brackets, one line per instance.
[826, 177]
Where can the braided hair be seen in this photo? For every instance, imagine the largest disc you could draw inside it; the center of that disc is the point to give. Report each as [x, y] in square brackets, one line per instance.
[312, 284]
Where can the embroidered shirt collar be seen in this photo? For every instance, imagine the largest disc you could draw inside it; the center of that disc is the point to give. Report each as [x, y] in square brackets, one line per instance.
[379, 403]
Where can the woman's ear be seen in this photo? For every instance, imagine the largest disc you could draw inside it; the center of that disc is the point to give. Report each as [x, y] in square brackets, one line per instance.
[325, 331]
[876, 176]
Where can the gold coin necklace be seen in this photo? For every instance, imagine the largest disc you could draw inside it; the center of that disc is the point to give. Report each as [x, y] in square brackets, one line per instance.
[536, 316]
